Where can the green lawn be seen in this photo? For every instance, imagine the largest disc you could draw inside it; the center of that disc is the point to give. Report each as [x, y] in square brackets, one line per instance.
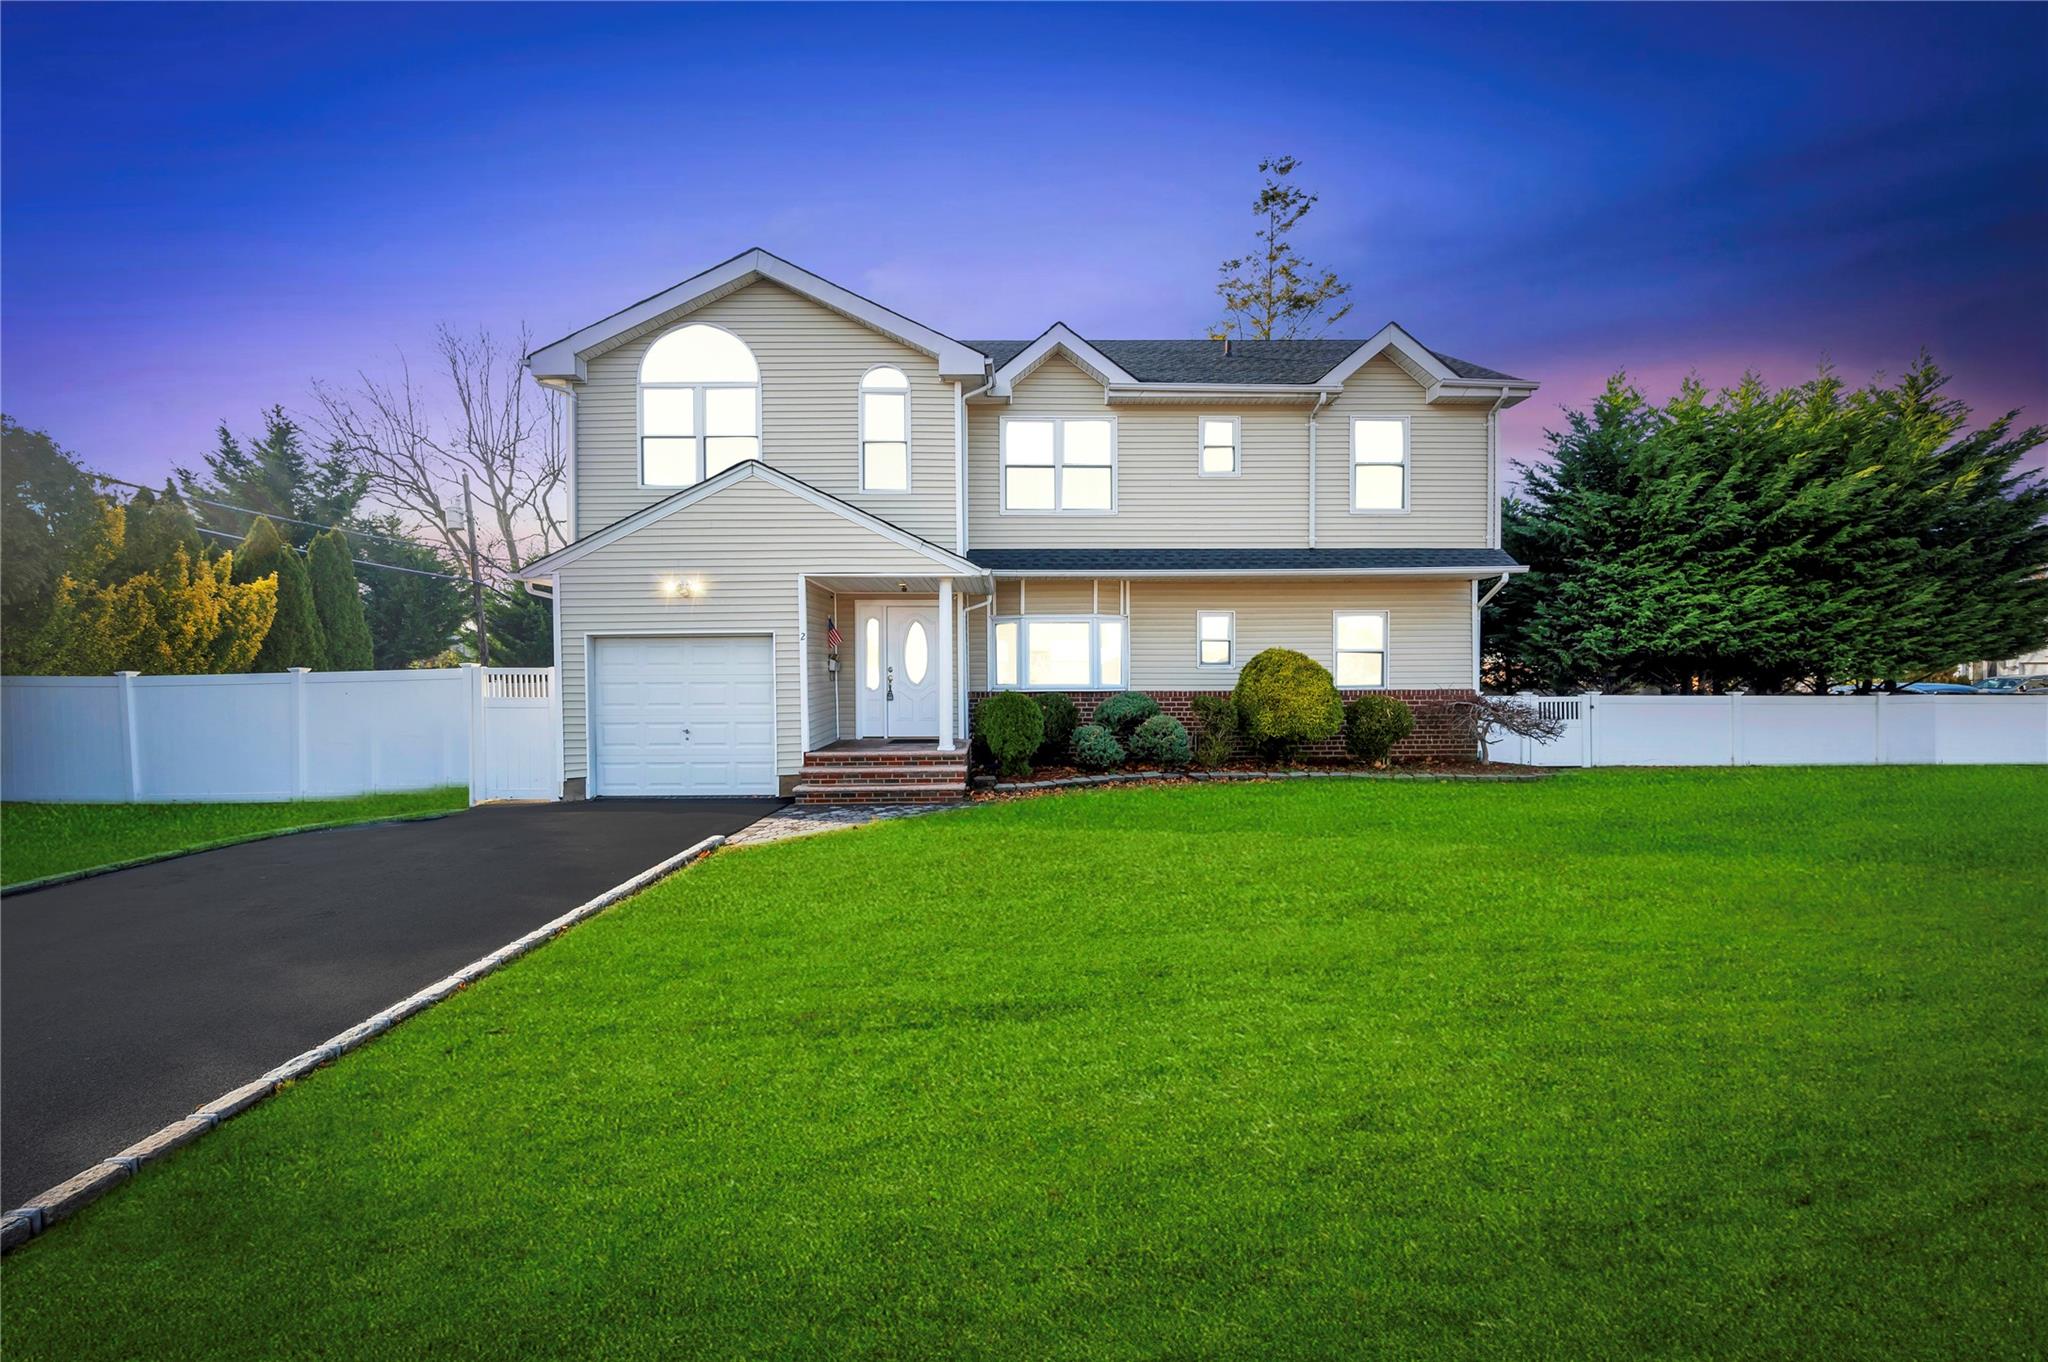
[40, 840]
[1625, 1064]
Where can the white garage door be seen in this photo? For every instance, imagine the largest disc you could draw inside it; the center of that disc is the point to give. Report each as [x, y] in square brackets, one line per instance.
[683, 716]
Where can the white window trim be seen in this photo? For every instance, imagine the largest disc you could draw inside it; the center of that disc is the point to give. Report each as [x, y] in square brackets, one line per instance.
[1386, 652]
[861, 450]
[1059, 465]
[1024, 623]
[1407, 460]
[1228, 662]
[696, 415]
[1236, 447]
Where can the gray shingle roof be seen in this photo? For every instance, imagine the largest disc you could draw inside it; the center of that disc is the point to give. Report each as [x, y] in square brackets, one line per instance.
[1122, 562]
[1249, 361]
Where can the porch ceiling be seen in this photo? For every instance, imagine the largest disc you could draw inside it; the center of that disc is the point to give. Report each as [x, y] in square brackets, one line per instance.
[902, 585]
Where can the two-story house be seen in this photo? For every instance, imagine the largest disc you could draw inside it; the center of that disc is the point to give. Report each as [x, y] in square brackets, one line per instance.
[810, 532]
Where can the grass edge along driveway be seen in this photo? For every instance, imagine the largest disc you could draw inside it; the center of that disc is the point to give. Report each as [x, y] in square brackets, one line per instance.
[1717, 1063]
[58, 841]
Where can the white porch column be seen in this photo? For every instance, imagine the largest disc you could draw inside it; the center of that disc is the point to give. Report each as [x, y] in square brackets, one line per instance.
[947, 699]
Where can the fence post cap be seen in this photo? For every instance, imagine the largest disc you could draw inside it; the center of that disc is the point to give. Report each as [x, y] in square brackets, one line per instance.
[127, 673]
[300, 670]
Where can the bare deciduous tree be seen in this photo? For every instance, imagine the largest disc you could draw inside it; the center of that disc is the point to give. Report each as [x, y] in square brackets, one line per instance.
[492, 424]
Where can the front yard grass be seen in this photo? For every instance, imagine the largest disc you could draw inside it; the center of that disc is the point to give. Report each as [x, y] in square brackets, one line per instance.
[38, 841]
[1624, 1064]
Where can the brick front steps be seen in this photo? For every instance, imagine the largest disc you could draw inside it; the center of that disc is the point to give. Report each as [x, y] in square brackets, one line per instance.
[882, 776]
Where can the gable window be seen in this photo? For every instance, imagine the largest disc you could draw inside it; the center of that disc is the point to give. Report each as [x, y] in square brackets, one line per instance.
[1379, 463]
[1218, 436]
[885, 430]
[1361, 646]
[1215, 638]
[700, 406]
[1059, 652]
[1059, 464]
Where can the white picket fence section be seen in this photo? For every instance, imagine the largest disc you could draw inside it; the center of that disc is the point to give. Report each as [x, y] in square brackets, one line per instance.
[1784, 730]
[285, 735]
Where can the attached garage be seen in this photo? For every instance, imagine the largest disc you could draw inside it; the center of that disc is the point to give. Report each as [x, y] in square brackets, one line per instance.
[688, 715]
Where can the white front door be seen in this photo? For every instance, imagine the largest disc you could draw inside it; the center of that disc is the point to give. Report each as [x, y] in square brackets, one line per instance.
[682, 716]
[896, 668]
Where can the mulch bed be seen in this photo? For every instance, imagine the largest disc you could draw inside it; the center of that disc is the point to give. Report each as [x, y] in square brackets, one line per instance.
[1048, 779]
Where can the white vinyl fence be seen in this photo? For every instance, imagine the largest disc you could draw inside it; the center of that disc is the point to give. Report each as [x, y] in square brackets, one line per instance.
[1784, 730]
[285, 735]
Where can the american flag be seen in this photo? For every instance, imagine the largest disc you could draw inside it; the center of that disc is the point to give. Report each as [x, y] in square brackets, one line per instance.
[832, 635]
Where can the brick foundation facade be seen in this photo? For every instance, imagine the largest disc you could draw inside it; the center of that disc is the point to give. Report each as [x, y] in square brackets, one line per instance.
[1440, 734]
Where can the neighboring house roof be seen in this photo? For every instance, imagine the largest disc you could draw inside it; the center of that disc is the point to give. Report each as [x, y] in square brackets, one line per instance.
[1291, 362]
[1126, 562]
[566, 359]
[946, 560]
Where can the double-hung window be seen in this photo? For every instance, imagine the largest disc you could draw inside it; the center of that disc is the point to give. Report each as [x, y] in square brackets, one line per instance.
[700, 406]
[1059, 464]
[1215, 638]
[1219, 446]
[1379, 463]
[885, 430]
[1060, 652]
[1361, 647]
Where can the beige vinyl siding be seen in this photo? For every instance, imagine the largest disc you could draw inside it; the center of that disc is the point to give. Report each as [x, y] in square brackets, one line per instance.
[1160, 500]
[824, 690]
[1429, 620]
[1447, 475]
[745, 546]
[811, 361]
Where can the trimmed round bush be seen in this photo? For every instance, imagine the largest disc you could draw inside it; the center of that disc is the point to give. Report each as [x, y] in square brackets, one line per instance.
[1161, 741]
[1373, 724]
[1060, 718]
[1122, 713]
[1013, 726]
[1286, 699]
[1096, 748]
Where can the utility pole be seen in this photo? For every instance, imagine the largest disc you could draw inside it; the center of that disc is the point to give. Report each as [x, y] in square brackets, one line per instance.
[476, 582]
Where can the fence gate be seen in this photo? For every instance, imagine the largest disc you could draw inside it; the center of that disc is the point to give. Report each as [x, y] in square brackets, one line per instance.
[1570, 748]
[514, 748]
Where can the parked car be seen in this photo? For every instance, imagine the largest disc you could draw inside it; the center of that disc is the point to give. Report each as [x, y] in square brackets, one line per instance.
[2001, 685]
[1937, 688]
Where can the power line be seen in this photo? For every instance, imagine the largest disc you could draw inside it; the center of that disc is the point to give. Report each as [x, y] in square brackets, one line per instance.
[250, 510]
[364, 562]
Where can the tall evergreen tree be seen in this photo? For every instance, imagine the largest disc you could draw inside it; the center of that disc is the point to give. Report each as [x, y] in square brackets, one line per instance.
[522, 628]
[1773, 540]
[411, 615]
[52, 522]
[338, 600]
[273, 474]
[295, 638]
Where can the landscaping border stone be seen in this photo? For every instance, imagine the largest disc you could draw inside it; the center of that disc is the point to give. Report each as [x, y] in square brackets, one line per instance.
[67, 1198]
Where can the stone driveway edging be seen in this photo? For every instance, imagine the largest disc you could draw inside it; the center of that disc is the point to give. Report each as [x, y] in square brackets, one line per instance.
[1134, 777]
[72, 1195]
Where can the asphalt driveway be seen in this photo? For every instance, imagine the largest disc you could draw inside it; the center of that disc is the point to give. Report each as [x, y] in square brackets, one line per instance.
[128, 999]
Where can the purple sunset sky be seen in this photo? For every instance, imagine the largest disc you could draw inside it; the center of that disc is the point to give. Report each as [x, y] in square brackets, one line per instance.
[205, 208]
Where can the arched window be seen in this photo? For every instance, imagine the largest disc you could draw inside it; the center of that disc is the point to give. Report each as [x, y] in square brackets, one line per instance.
[885, 430]
[700, 406]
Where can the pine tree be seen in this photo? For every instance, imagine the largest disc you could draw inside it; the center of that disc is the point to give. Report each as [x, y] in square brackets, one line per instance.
[1274, 294]
[1773, 540]
[295, 639]
[275, 475]
[338, 601]
[522, 628]
[411, 615]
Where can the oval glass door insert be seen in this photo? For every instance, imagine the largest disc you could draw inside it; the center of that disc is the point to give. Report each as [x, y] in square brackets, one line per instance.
[916, 653]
